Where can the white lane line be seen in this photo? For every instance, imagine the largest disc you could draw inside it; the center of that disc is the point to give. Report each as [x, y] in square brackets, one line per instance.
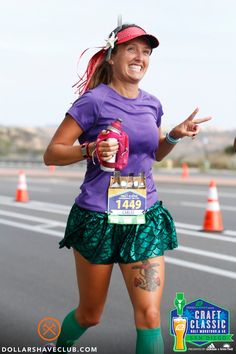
[201, 267]
[48, 226]
[50, 182]
[36, 228]
[11, 201]
[203, 205]
[42, 206]
[47, 223]
[230, 232]
[64, 210]
[203, 235]
[187, 226]
[183, 263]
[39, 189]
[58, 182]
[32, 218]
[170, 260]
[194, 192]
[199, 252]
[198, 228]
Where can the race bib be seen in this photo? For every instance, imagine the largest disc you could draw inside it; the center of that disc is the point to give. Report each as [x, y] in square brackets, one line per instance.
[127, 200]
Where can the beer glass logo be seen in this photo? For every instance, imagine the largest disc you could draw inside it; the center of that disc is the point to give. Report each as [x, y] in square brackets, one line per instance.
[179, 328]
[179, 324]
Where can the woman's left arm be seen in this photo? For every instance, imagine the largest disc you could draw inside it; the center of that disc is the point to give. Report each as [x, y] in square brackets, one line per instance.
[189, 127]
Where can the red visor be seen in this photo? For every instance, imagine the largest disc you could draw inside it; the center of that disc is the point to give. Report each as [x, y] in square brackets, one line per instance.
[133, 32]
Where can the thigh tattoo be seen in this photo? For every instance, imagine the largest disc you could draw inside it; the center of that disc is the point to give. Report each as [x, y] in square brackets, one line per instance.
[148, 278]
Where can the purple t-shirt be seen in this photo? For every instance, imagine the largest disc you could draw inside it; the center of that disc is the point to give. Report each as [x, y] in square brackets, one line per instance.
[141, 116]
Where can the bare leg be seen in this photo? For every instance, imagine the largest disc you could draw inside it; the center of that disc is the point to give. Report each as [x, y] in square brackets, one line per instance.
[93, 283]
[145, 281]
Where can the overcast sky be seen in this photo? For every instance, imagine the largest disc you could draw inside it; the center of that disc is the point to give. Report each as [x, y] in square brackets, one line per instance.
[41, 40]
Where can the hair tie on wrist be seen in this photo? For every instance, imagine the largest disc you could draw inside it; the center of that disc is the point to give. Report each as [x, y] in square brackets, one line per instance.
[171, 140]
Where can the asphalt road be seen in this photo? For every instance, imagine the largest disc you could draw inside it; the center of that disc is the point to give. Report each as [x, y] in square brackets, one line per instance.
[38, 280]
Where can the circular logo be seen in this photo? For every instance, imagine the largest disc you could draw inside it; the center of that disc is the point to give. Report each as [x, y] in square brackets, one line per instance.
[49, 329]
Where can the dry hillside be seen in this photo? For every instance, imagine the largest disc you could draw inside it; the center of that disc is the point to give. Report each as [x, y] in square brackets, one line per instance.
[30, 142]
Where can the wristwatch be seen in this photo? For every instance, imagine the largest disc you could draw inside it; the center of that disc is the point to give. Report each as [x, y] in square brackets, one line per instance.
[85, 150]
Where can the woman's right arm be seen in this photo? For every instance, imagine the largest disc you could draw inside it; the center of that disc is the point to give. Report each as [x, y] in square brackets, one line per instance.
[61, 150]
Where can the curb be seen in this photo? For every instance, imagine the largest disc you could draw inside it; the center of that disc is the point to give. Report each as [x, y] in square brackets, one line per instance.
[165, 178]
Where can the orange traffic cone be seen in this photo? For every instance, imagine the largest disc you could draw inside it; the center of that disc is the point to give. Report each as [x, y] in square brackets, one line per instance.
[185, 171]
[213, 219]
[21, 192]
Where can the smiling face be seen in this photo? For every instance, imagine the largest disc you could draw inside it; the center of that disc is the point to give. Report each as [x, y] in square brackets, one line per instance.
[130, 62]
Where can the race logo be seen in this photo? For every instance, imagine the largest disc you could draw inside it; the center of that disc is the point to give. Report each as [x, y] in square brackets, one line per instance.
[199, 323]
[226, 346]
[49, 329]
[211, 347]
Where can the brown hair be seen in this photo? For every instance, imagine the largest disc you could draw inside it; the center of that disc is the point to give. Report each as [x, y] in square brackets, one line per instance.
[102, 75]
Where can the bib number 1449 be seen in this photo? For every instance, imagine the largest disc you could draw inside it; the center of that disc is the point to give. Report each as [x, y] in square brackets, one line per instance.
[128, 204]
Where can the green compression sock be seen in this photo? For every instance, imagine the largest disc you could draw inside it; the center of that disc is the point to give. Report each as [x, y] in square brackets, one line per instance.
[149, 341]
[70, 331]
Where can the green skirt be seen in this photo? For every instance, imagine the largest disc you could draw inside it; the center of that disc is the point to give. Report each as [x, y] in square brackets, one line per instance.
[99, 242]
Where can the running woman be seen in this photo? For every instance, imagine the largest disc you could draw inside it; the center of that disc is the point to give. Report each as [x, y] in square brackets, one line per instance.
[110, 90]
